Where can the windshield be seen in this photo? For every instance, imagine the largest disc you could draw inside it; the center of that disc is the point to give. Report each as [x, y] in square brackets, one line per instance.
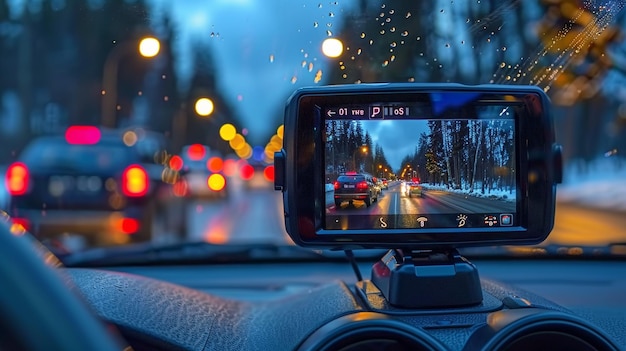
[180, 108]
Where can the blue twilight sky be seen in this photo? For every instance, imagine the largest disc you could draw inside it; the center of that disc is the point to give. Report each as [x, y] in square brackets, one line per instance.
[264, 49]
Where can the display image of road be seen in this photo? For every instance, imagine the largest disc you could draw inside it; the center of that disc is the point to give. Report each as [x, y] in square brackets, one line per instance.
[393, 201]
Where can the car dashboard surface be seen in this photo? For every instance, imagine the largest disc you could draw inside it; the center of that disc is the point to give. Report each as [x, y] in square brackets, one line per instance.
[527, 304]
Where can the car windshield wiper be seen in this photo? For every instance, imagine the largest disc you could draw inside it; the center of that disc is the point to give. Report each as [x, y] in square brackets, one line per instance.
[192, 252]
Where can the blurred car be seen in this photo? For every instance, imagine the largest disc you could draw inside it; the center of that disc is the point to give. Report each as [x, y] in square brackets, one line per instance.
[411, 188]
[84, 182]
[202, 171]
[355, 186]
[385, 184]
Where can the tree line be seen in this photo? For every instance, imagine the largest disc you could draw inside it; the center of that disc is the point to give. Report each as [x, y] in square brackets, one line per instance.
[349, 148]
[469, 155]
[52, 66]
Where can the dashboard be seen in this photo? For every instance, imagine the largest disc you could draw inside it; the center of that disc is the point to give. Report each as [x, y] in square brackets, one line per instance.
[527, 304]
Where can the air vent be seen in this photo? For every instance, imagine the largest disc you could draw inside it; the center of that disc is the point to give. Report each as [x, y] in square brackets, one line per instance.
[369, 331]
[538, 330]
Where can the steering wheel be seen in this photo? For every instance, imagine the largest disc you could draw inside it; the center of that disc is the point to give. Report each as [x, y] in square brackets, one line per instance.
[38, 311]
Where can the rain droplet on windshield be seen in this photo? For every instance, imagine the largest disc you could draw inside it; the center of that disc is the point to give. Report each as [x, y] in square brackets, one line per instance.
[362, 35]
[315, 24]
[271, 58]
[405, 33]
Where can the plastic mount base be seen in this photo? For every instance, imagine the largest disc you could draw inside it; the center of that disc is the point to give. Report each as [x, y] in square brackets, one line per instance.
[427, 279]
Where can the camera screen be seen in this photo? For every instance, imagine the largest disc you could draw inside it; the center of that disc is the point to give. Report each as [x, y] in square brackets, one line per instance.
[400, 166]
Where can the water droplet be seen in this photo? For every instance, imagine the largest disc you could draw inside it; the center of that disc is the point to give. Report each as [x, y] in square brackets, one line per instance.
[462, 41]
[419, 38]
[382, 14]
[411, 80]
[329, 25]
[393, 44]
[329, 33]
[391, 12]
[362, 35]
[164, 77]
[489, 40]
[303, 64]
[358, 51]
[447, 45]
[294, 79]
[502, 65]
[442, 11]
[344, 76]
[342, 67]
[371, 41]
[508, 78]
[385, 64]
[382, 32]
[311, 67]
[331, 14]
[467, 21]
[392, 29]
[408, 14]
[405, 33]
[271, 58]
[318, 76]
[392, 58]
[319, 6]
[315, 24]
[383, 6]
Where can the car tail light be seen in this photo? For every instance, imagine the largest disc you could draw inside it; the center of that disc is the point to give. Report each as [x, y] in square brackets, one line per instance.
[336, 185]
[135, 181]
[268, 173]
[176, 163]
[196, 152]
[247, 172]
[128, 225]
[361, 185]
[82, 135]
[215, 164]
[19, 225]
[17, 178]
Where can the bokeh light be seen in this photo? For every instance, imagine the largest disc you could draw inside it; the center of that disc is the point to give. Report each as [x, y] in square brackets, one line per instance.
[149, 47]
[332, 47]
[204, 107]
[228, 132]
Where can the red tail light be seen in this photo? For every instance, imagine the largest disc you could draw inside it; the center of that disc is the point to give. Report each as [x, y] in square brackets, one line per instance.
[82, 135]
[17, 178]
[128, 225]
[361, 185]
[135, 181]
[336, 185]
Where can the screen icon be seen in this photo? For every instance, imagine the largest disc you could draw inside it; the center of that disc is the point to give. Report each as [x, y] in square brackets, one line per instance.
[490, 220]
[422, 220]
[506, 220]
[462, 220]
[376, 112]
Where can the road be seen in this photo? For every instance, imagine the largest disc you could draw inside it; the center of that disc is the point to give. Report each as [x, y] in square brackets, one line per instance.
[391, 201]
[256, 216]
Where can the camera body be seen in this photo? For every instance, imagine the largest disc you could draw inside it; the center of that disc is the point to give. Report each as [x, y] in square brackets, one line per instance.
[418, 166]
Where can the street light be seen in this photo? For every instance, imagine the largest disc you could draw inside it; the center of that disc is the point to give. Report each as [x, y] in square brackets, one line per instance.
[362, 148]
[204, 107]
[148, 47]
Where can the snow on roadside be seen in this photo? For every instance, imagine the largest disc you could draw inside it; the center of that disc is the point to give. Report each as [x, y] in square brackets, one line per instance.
[600, 183]
[498, 194]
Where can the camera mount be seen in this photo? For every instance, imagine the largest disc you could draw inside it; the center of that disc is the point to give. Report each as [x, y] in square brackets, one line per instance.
[427, 279]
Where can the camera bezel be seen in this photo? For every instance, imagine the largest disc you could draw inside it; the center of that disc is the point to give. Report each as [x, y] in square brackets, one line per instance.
[302, 179]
